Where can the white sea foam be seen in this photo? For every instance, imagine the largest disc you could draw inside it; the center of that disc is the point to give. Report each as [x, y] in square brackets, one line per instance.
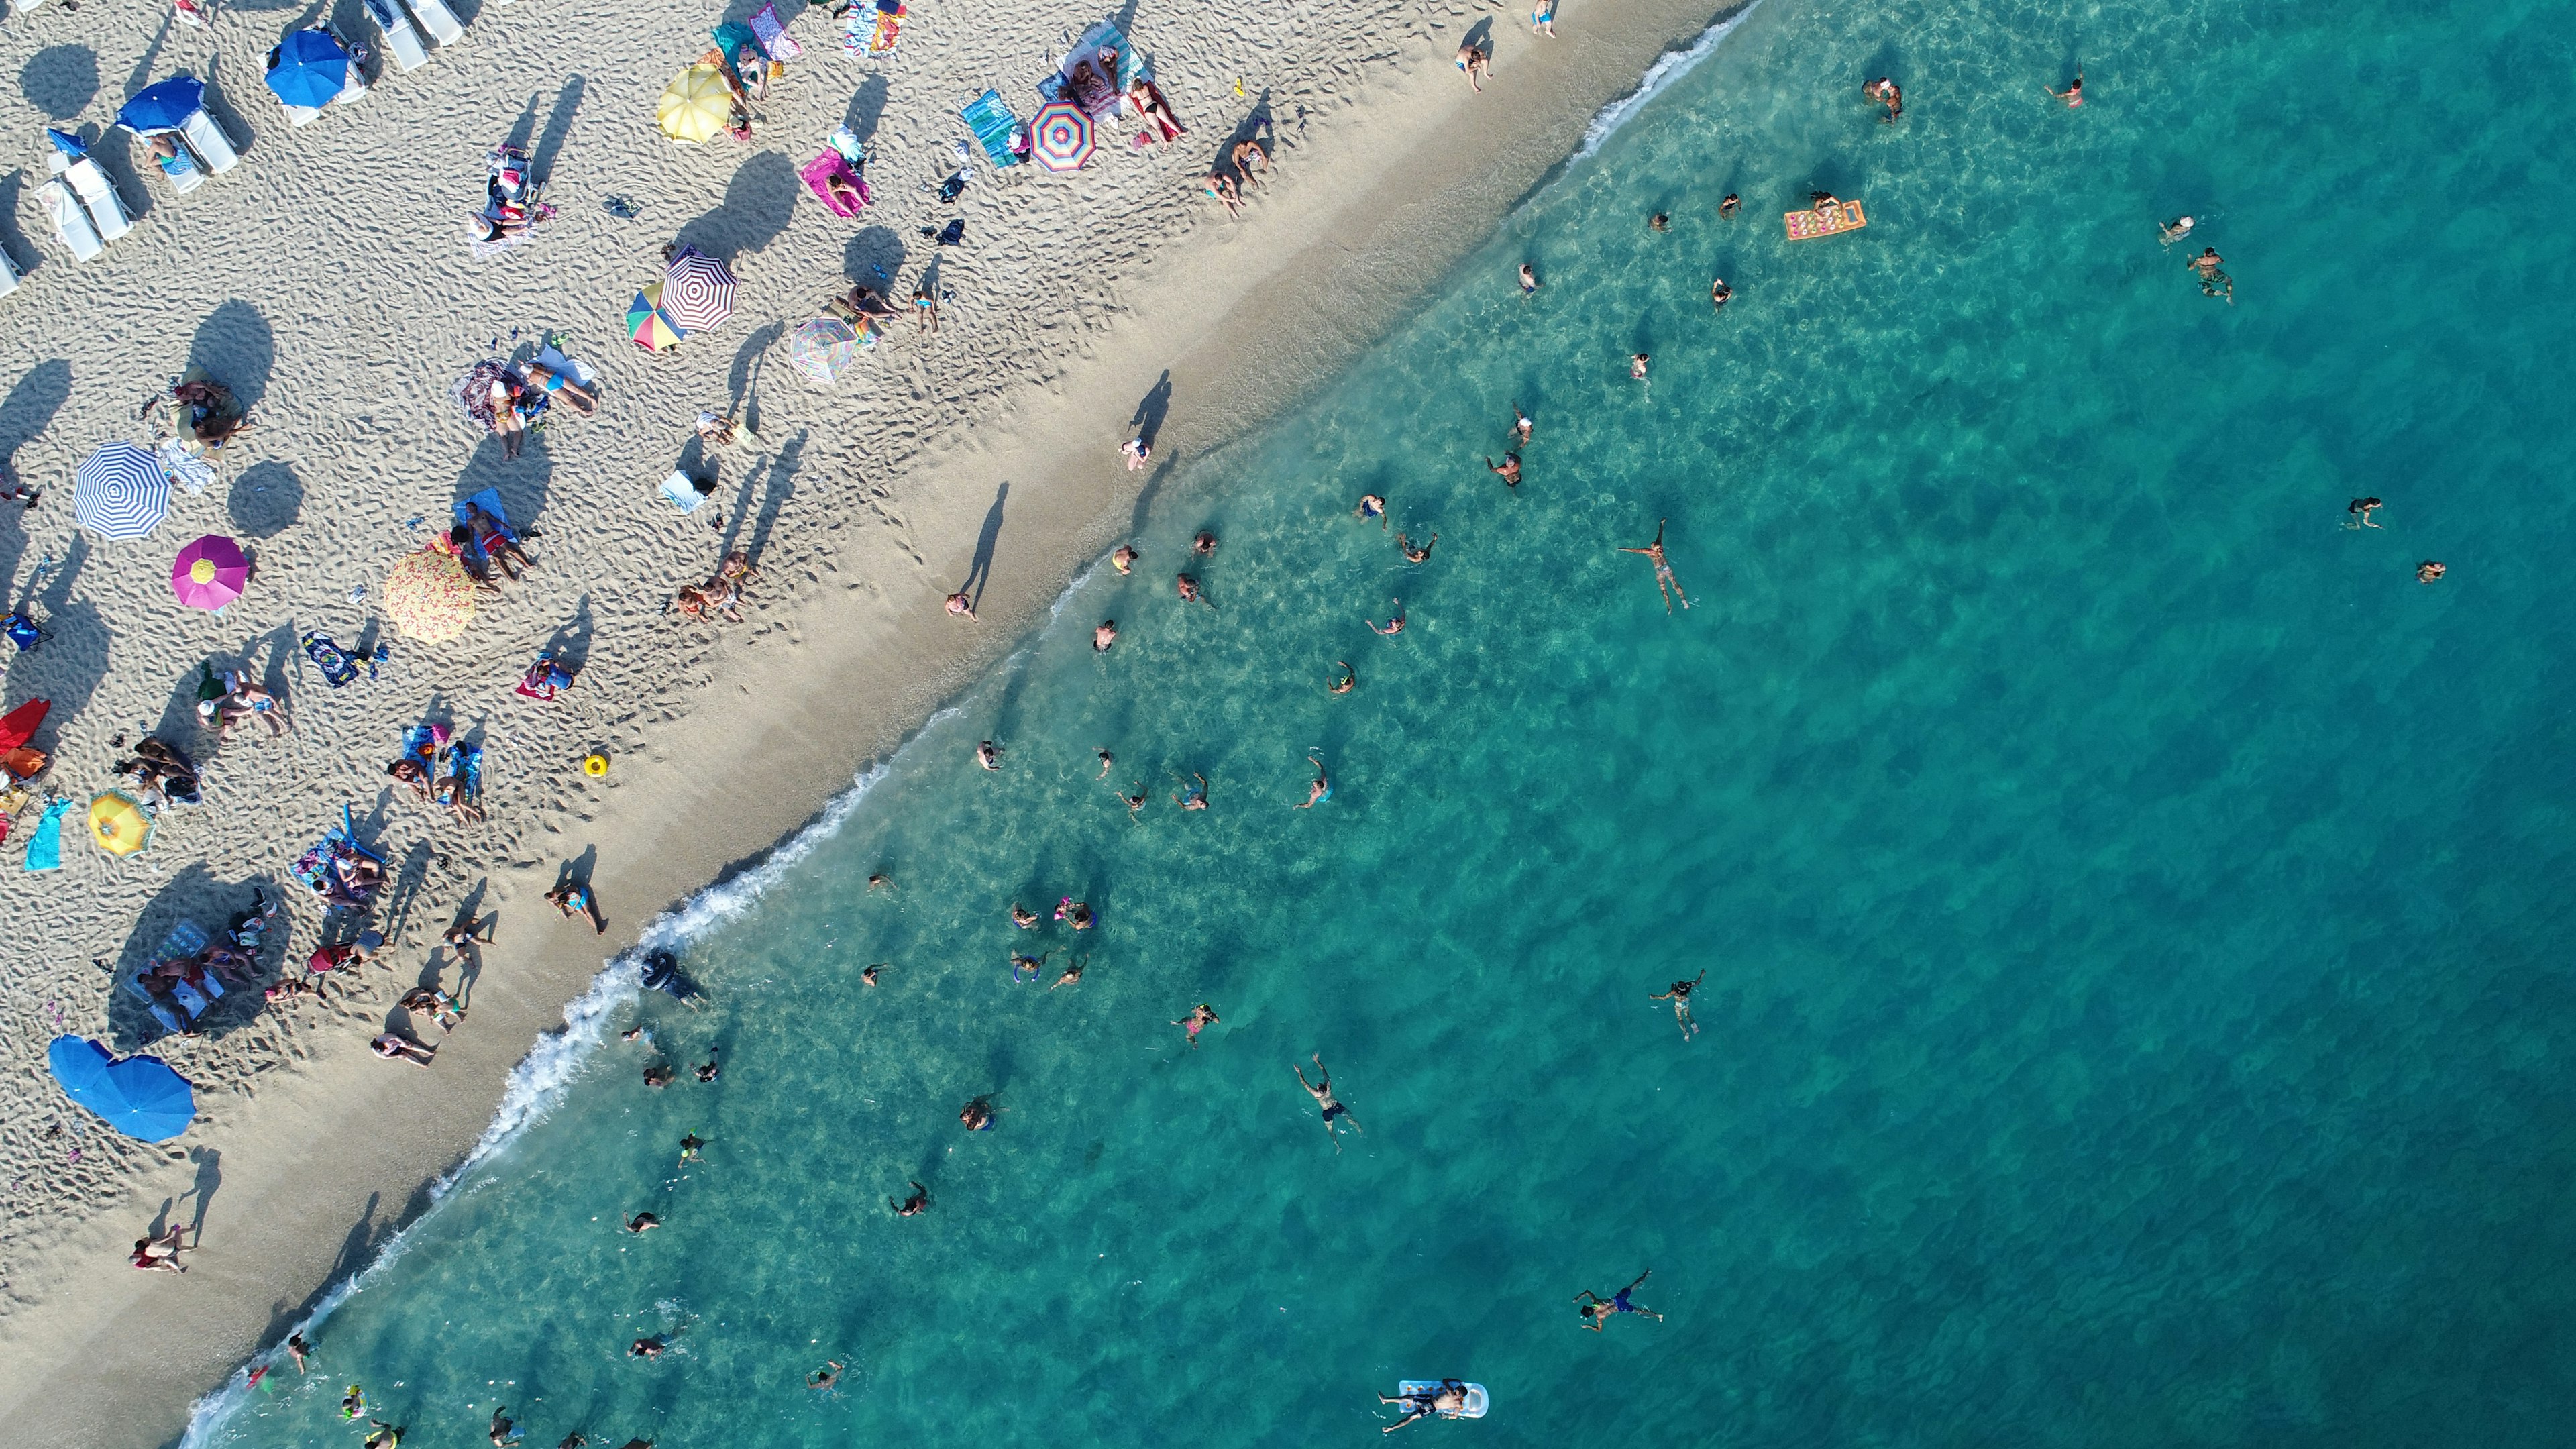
[1671, 66]
[538, 1083]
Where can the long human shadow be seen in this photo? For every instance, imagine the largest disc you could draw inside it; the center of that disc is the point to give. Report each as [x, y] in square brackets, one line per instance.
[541, 162]
[980, 571]
[569, 645]
[1147, 421]
[782, 486]
[26, 412]
[867, 106]
[69, 665]
[742, 380]
[210, 1176]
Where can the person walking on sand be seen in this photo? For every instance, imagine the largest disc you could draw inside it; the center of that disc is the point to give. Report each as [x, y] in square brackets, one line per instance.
[1679, 996]
[1665, 583]
[1349, 681]
[2073, 95]
[1598, 1311]
[1509, 468]
[913, 1205]
[1393, 626]
[1476, 62]
[1201, 1017]
[1321, 1089]
[1320, 789]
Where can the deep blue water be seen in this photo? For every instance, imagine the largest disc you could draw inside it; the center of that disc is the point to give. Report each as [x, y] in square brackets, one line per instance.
[2133, 908]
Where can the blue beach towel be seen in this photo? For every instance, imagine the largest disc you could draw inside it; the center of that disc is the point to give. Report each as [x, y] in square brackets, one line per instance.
[45, 843]
[994, 127]
[328, 657]
[489, 501]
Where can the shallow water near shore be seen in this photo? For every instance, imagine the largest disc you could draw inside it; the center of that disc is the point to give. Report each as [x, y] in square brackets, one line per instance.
[2132, 907]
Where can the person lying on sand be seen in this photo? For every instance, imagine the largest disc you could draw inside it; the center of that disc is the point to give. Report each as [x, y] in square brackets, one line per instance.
[1157, 112]
[394, 1048]
[583, 400]
[435, 1004]
[574, 898]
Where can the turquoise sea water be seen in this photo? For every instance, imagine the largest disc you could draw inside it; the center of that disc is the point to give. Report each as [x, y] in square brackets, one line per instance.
[2134, 910]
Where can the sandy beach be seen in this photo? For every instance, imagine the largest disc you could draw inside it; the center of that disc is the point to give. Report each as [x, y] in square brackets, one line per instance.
[327, 282]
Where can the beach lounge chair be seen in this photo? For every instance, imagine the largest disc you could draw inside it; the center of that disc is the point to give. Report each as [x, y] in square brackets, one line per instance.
[437, 19]
[91, 185]
[8, 274]
[994, 127]
[206, 137]
[185, 939]
[182, 171]
[401, 41]
[70, 222]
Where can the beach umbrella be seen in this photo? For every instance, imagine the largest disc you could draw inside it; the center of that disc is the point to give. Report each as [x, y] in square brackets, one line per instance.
[121, 491]
[118, 824]
[697, 291]
[210, 573]
[138, 1096]
[1060, 136]
[822, 348]
[163, 105]
[696, 105]
[308, 68]
[645, 323]
[429, 596]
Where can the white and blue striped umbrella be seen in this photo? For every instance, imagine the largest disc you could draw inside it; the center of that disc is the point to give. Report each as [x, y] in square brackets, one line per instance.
[121, 492]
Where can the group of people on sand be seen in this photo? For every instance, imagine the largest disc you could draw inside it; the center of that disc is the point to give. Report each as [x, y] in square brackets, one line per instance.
[718, 596]
[440, 772]
[1230, 179]
[226, 699]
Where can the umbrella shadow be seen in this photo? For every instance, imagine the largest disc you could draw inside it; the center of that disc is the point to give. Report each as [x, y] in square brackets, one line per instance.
[60, 81]
[265, 500]
[410, 878]
[873, 257]
[69, 666]
[27, 411]
[236, 348]
[22, 253]
[523, 481]
[1147, 423]
[867, 106]
[757, 205]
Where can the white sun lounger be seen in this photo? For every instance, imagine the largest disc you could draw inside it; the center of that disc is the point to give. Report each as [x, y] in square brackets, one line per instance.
[206, 137]
[8, 273]
[91, 185]
[437, 19]
[401, 41]
[70, 222]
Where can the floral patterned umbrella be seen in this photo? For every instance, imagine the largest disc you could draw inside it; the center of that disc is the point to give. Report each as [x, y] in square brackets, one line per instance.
[429, 596]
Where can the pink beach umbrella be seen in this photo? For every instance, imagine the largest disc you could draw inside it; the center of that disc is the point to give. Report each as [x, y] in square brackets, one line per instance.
[210, 573]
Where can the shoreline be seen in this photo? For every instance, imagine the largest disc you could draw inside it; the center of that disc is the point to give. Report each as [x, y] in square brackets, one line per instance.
[1375, 201]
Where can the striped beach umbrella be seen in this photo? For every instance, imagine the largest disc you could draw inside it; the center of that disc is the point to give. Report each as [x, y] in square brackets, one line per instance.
[645, 323]
[823, 348]
[429, 596]
[121, 491]
[1060, 136]
[697, 291]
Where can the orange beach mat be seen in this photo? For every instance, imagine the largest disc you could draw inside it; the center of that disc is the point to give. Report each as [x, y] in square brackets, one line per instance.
[1808, 225]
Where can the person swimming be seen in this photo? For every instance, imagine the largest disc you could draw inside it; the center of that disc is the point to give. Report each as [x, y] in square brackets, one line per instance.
[689, 1145]
[1529, 279]
[1321, 1089]
[1679, 996]
[1026, 968]
[1726, 207]
[1884, 91]
[1416, 555]
[708, 1071]
[2073, 95]
[2429, 570]
[1598, 1311]
[1509, 468]
[1372, 506]
[1661, 221]
[1124, 560]
[1665, 582]
[1073, 913]
[1072, 973]
[1637, 365]
[1192, 797]
[1719, 294]
[1104, 636]
[1393, 626]
[2361, 509]
[2175, 230]
[914, 1205]
[1201, 1017]
[1023, 917]
[988, 755]
[1350, 678]
[1520, 425]
[977, 1115]
[1188, 588]
[1321, 789]
[829, 1374]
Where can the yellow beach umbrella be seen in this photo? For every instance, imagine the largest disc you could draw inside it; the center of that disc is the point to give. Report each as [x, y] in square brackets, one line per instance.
[118, 824]
[696, 104]
[429, 596]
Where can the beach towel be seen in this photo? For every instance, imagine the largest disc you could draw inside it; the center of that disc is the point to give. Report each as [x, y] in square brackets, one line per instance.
[45, 843]
[818, 174]
[313, 867]
[489, 501]
[772, 33]
[545, 679]
[422, 742]
[1131, 68]
[181, 461]
[22, 632]
[875, 33]
[328, 657]
[740, 52]
[994, 127]
[463, 782]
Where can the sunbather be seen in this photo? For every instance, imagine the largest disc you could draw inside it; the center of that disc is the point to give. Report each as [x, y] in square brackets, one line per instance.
[394, 1048]
[1148, 100]
[1249, 157]
[458, 790]
[1221, 186]
[574, 898]
[492, 534]
[430, 1001]
[409, 771]
[505, 416]
[583, 400]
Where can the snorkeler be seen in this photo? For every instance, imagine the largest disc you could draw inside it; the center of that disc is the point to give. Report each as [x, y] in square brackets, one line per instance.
[1350, 678]
[1599, 1310]
[1393, 626]
[1192, 797]
[1372, 506]
[1679, 996]
[2361, 509]
[708, 1070]
[1416, 555]
[1665, 583]
[1321, 1089]
[1201, 1017]
[1509, 468]
[1321, 789]
[1072, 973]
[643, 1223]
[913, 1205]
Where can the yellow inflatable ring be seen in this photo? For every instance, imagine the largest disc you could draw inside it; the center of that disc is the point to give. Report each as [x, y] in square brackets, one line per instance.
[594, 766]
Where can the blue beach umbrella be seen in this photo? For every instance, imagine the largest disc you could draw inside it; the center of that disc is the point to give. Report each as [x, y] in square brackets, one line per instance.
[138, 1096]
[163, 105]
[121, 491]
[308, 69]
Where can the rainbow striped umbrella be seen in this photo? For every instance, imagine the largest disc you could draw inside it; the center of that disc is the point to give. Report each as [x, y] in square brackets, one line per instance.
[697, 291]
[823, 348]
[645, 323]
[1060, 136]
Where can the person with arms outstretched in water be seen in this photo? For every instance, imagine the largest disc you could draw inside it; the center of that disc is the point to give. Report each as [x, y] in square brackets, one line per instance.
[1393, 626]
[1192, 797]
[1449, 1398]
[1669, 586]
[1321, 789]
[1509, 468]
[1598, 1311]
[1201, 1017]
[1679, 996]
[829, 1374]
[1072, 973]
[1414, 555]
[1321, 1089]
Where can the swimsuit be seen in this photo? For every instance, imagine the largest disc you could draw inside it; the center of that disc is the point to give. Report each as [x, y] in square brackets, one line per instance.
[1336, 1110]
[1621, 1304]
